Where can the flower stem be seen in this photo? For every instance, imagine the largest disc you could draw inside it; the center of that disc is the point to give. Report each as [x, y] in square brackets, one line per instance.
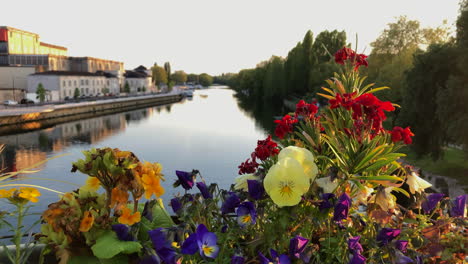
[17, 238]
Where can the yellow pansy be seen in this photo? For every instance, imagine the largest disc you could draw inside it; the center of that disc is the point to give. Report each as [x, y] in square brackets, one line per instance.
[286, 182]
[304, 157]
[416, 184]
[241, 181]
[30, 194]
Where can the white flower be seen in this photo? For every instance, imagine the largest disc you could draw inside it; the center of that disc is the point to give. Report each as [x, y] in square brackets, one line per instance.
[416, 184]
[363, 194]
[326, 184]
[241, 181]
[385, 199]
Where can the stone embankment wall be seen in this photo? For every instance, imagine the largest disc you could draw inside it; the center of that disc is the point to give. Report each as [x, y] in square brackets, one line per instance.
[46, 117]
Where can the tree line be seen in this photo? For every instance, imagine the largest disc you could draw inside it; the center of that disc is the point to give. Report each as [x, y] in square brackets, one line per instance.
[162, 75]
[424, 67]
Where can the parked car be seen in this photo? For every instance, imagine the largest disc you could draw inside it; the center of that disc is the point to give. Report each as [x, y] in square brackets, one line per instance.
[26, 101]
[10, 102]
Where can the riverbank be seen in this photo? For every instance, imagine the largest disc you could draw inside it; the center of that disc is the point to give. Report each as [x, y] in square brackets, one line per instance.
[31, 118]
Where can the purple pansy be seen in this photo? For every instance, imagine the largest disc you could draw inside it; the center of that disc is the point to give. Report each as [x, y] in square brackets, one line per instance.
[276, 259]
[342, 208]
[185, 179]
[325, 203]
[162, 246]
[357, 259]
[401, 245]
[237, 260]
[203, 241]
[123, 232]
[386, 235]
[354, 245]
[297, 246]
[431, 202]
[402, 259]
[204, 190]
[256, 189]
[246, 214]
[176, 204]
[458, 206]
[230, 203]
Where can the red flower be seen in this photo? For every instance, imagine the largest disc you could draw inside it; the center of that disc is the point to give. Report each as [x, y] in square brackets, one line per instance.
[335, 103]
[248, 166]
[343, 54]
[306, 110]
[285, 126]
[400, 134]
[359, 60]
[266, 148]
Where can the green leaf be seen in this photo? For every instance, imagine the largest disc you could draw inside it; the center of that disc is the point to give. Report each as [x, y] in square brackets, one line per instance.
[379, 178]
[83, 259]
[108, 246]
[160, 216]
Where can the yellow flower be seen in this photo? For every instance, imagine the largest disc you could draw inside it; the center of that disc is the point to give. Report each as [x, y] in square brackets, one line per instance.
[30, 194]
[241, 181]
[304, 157]
[119, 197]
[286, 182]
[87, 222]
[416, 184]
[6, 193]
[152, 186]
[385, 199]
[92, 184]
[127, 218]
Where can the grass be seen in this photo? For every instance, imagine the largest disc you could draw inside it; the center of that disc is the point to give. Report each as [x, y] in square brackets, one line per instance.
[454, 164]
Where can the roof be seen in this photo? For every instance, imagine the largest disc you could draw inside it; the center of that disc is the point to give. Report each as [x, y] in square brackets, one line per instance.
[52, 46]
[75, 73]
[16, 29]
[92, 58]
[141, 68]
[135, 74]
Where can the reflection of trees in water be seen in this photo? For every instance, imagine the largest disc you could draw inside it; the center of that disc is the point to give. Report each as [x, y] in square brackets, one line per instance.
[262, 112]
[168, 108]
[45, 143]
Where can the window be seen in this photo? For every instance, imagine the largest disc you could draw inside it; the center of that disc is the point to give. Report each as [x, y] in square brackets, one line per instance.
[87, 82]
[69, 83]
[74, 82]
[87, 90]
[107, 82]
[93, 82]
[82, 82]
[64, 83]
[82, 91]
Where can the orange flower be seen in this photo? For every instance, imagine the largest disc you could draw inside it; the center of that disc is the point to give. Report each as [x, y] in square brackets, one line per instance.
[87, 222]
[127, 218]
[119, 197]
[30, 194]
[152, 185]
[6, 193]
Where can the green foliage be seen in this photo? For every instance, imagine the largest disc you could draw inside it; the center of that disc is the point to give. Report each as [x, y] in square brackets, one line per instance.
[108, 246]
[76, 93]
[167, 68]
[179, 77]
[205, 79]
[127, 87]
[40, 92]
[159, 75]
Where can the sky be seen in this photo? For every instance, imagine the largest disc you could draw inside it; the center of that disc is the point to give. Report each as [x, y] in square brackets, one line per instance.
[212, 36]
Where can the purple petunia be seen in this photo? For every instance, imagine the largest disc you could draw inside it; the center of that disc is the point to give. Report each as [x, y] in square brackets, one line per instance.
[123, 232]
[431, 201]
[276, 259]
[176, 204]
[386, 235]
[353, 244]
[401, 245]
[458, 206]
[342, 208]
[256, 189]
[246, 214]
[204, 190]
[230, 203]
[357, 259]
[203, 241]
[185, 179]
[297, 246]
[237, 260]
[162, 246]
[402, 259]
[325, 203]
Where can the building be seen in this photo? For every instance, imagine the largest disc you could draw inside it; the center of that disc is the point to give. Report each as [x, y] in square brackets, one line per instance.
[61, 85]
[138, 80]
[20, 50]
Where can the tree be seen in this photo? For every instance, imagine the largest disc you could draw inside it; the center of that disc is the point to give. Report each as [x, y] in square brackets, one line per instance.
[192, 77]
[105, 90]
[40, 92]
[159, 75]
[76, 94]
[205, 79]
[167, 68]
[126, 87]
[179, 77]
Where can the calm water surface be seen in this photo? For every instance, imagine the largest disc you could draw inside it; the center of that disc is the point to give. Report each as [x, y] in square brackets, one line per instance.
[210, 133]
